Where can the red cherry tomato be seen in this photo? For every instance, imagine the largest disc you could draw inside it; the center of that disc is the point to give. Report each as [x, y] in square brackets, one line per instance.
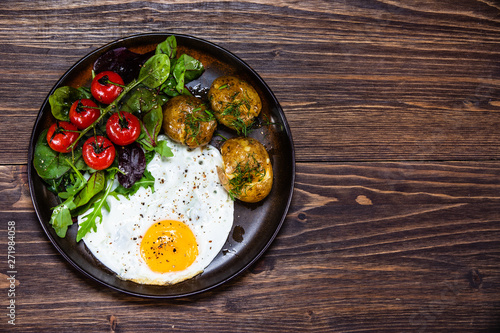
[125, 130]
[98, 152]
[61, 135]
[83, 116]
[103, 89]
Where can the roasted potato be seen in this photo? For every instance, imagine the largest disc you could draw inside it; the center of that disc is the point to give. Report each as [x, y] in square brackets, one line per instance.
[235, 103]
[186, 119]
[247, 173]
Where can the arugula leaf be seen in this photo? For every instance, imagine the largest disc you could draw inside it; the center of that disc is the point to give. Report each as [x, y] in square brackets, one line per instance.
[89, 221]
[61, 215]
[149, 155]
[151, 125]
[193, 67]
[74, 187]
[163, 149]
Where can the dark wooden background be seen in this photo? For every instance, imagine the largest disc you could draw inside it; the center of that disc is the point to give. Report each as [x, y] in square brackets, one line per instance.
[394, 108]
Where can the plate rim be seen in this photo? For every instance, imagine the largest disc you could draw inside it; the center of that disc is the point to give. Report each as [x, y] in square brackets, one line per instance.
[32, 172]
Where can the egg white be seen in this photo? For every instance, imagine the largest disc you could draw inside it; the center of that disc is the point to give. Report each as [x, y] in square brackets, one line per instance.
[186, 189]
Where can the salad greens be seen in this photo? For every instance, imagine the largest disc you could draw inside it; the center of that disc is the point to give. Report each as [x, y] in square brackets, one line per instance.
[89, 221]
[183, 70]
[168, 47]
[61, 216]
[62, 99]
[51, 165]
[132, 163]
[84, 191]
[147, 104]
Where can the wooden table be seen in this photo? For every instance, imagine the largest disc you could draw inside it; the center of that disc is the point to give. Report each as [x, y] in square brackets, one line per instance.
[394, 107]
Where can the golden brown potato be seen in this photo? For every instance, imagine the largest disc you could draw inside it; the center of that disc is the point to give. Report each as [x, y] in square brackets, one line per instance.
[247, 173]
[186, 121]
[235, 103]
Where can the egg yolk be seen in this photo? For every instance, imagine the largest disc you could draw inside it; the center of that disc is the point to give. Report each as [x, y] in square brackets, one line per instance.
[169, 246]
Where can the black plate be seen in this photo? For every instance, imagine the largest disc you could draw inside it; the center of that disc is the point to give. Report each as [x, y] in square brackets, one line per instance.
[255, 225]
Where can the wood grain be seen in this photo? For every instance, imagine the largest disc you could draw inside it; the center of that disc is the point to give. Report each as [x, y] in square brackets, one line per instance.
[377, 80]
[362, 243]
[394, 107]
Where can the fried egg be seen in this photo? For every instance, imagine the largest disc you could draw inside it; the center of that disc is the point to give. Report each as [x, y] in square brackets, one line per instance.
[170, 234]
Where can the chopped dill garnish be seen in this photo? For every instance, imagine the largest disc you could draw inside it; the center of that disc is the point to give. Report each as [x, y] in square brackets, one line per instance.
[267, 122]
[193, 122]
[244, 174]
[233, 109]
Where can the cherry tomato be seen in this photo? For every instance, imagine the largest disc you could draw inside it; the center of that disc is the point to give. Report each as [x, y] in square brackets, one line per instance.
[98, 152]
[103, 89]
[83, 116]
[125, 130]
[61, 135]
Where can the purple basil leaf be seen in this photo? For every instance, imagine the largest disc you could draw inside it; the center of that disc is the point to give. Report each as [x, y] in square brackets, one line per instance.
[122, 61]
[132, 162]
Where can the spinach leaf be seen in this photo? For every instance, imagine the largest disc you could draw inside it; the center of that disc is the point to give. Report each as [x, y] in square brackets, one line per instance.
[168, 47]
[50, 164]
[155, 71]
[178, 73]
[146, 104]
[140, 100]
[184, 70]
[62, 99]
[169, 87]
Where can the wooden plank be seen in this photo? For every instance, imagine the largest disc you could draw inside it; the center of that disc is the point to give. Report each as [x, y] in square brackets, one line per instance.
[358, 81]
[399, 246]
[393, 106]
[14, 189]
